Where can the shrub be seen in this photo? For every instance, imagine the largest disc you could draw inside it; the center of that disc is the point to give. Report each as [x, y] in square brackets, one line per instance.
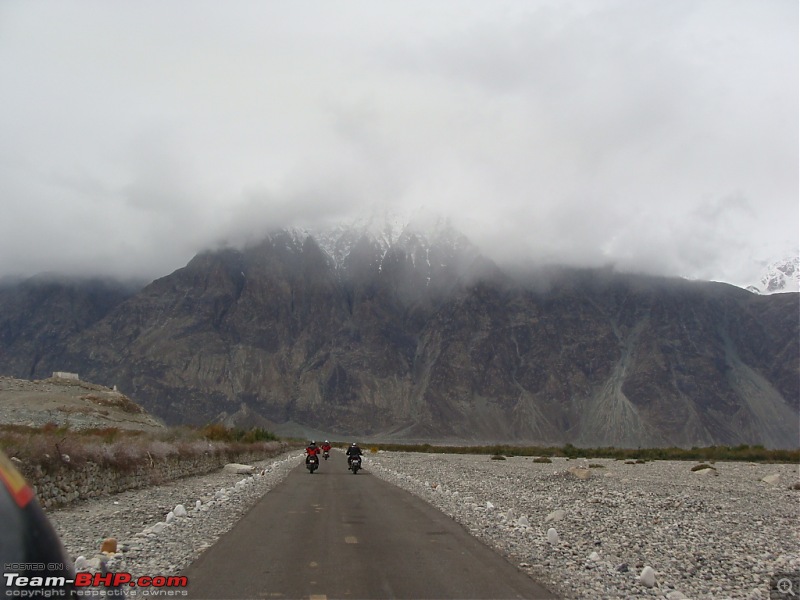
[498, 457]
[216, 432]
[542, 459]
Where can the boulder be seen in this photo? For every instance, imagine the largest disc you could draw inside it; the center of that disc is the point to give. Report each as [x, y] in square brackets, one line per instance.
[710, 472]
[552, 536]
[648, 577]
[239, 469]
[158, 528]
[109, 546]
[556, 515]
[580, 473]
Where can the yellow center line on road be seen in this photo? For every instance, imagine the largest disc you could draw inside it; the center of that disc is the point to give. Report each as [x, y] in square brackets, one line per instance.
[351, 539]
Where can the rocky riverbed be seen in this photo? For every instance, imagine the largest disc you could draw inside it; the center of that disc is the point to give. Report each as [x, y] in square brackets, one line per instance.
[599, 529]
[590, 529]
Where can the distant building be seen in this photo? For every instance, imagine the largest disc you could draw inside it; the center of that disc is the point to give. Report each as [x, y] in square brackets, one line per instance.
[65, 375]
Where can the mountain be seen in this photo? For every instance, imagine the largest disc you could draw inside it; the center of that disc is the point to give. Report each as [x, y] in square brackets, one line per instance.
[779, 276]
[38, 316]
[410, 333]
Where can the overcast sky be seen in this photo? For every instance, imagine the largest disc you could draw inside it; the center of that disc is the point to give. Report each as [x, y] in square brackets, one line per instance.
[651, 135]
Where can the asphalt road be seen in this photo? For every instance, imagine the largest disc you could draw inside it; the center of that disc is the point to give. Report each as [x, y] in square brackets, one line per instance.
[338, 535]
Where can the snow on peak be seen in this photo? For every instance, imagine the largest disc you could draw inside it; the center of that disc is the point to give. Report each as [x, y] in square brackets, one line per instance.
[385, 232]
[780, 276]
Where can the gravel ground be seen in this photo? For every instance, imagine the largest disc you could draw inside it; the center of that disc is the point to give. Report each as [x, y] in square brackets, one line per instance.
[147, 545]
[705, 536]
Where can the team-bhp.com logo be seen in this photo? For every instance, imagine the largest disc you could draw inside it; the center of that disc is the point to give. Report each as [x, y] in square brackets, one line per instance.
[94, 584]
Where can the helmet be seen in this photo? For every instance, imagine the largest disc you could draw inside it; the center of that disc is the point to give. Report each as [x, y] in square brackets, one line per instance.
[353, 444]
[313, 443]
[29, 540]
[326, 441]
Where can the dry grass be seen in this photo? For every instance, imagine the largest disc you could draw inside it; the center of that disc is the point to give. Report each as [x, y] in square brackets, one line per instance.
[51, 447]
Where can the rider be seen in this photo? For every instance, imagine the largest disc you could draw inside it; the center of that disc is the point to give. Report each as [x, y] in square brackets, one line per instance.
[29, 546]
[326, 446]
[311, 450]
[352, 451]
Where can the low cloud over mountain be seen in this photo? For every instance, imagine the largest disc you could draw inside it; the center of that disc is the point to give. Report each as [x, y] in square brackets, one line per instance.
[413, 334]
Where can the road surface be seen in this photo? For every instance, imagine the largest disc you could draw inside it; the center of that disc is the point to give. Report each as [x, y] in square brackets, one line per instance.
[338, 535]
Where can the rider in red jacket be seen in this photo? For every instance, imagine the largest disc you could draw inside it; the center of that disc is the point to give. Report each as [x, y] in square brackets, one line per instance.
[312, 450]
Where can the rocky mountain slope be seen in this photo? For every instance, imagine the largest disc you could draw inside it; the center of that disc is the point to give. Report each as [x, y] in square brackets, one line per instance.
[415, 335]
[38, 316]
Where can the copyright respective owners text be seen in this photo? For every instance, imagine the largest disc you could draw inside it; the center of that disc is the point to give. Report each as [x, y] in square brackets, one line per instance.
[36, 583]
[785, 586]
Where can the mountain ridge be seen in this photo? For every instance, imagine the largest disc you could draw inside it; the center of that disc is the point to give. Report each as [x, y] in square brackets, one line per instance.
[388, 342]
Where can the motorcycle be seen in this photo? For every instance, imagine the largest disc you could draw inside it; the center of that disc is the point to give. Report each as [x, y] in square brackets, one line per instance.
[355, 464]
[312, 464]
[325, 454]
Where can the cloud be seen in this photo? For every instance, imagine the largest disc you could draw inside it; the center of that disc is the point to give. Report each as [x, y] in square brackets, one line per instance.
[655, 136]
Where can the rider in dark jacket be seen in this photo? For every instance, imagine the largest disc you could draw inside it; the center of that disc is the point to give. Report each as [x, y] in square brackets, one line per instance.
[352, 451]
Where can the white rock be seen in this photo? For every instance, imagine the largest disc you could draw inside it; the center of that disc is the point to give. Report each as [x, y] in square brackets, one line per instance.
[93, 564]
[556, 515]
[523, 521]
[648, 576]
[581, 473]
[170, 517]
[675, 595]
[552, 536]
[158, 528]
[81, 564]
[771, 479]
[594, 557]
[238, 468]
[489, 505]
[197, 505]
[179, 510]
[709, 471]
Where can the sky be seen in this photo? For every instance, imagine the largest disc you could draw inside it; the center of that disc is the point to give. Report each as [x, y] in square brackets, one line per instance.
[652, 136]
